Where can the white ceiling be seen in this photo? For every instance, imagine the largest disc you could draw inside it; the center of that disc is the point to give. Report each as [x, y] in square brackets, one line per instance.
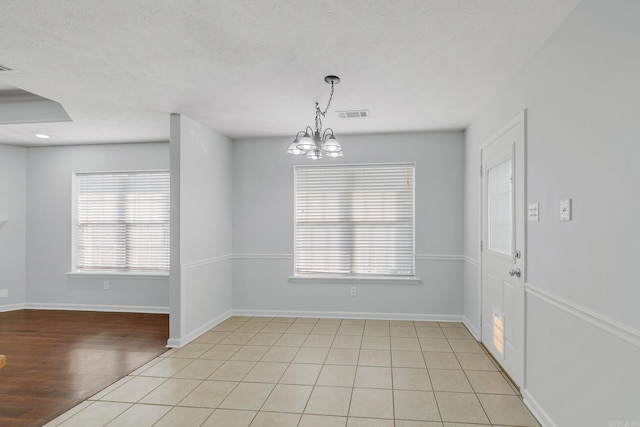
[251, 68]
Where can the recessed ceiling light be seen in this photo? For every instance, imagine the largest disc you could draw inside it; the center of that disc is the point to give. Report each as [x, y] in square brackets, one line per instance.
[42, 136]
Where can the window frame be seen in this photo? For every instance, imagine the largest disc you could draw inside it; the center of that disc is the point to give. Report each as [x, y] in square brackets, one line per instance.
[355, 277]
[75, 229]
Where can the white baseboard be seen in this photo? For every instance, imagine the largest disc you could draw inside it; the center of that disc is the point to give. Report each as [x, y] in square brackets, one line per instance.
[474, 331]
[96, 307]
[543, 418]
[12, 307]
[182, 341]
[349, 315]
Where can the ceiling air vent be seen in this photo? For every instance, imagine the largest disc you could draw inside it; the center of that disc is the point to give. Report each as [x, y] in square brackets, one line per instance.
[353, 114]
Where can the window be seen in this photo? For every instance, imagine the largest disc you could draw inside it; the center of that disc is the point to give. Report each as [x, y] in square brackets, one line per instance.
[122, 222]
[500, 212]
[355, 220]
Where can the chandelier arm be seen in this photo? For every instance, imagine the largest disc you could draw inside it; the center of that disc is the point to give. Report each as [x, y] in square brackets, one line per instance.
[324, 134]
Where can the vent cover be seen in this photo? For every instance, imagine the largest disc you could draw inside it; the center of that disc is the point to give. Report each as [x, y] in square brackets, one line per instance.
[353, 114]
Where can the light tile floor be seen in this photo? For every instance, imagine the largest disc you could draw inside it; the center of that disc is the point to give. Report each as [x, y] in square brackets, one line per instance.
[302, 372]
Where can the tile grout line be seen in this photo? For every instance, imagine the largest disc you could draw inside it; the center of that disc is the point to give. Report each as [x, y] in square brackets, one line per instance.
[316, 380]
[177, 405]
[239, 382]
[429, 375]
[232, 390]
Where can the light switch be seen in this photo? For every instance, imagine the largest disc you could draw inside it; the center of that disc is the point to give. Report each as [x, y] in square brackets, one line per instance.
[565, 210]
[533, 212]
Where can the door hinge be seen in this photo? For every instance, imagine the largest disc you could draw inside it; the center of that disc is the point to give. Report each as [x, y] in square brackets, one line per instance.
[481, 169]
[481, 246]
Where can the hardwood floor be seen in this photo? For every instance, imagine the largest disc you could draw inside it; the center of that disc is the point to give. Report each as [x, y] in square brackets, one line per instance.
[56, 359]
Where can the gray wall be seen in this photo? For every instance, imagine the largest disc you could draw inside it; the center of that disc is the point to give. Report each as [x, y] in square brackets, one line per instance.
[49, 205]
[581, 93]
[201, 208]
[263, 230]
[13, 204]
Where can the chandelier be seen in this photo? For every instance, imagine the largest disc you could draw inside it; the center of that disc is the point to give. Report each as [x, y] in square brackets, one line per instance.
[314, 142]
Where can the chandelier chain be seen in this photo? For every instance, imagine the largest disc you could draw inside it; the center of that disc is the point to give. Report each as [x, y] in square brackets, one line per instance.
[320, 113]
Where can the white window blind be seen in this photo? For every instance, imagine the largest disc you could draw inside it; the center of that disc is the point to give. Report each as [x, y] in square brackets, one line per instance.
[122, 221]
[354, 220]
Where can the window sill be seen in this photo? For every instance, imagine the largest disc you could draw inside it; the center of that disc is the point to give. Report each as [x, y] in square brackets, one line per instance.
[415, 280]
[107, 274]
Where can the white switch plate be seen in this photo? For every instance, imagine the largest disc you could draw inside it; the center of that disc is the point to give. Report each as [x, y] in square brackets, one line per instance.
[534, 212]
[565, 210]
[4, 293]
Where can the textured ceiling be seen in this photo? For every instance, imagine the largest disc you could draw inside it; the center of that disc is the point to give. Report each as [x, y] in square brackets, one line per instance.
[252, 68]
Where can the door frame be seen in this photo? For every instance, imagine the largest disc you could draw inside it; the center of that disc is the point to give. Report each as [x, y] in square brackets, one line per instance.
[519, 118]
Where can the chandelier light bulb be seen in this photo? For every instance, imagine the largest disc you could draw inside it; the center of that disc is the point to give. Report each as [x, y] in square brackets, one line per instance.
[332, 145]
[314, 154]
[306, 143]
[293, 148]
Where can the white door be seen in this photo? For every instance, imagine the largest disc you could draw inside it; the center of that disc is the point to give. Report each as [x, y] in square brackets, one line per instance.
[503, 247]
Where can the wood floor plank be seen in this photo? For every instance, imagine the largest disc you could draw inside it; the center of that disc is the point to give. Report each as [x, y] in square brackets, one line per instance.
[56, 359]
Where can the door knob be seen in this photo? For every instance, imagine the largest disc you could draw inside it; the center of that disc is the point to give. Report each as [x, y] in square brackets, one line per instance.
[515, 272]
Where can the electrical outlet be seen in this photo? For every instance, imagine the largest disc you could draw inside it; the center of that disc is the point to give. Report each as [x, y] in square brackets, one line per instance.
[354, 291]
[4, 293]
[105, 285]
